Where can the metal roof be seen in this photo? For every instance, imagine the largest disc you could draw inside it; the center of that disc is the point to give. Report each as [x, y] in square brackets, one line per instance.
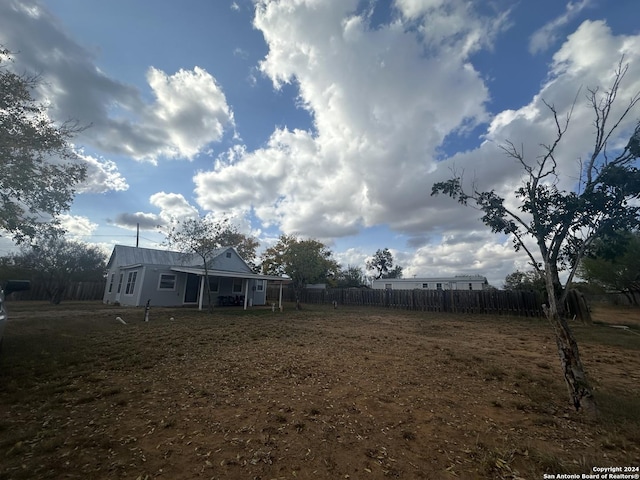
[135, 255]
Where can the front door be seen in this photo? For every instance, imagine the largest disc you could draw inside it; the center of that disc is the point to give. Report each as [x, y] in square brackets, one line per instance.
[192, 288]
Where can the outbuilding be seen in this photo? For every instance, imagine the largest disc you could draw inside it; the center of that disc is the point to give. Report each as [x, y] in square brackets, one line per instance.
[458, 282]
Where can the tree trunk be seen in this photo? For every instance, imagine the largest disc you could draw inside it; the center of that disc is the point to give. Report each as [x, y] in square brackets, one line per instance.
[580, 392]
[298, 292]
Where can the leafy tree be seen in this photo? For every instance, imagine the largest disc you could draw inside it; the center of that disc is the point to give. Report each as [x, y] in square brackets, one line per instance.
[202, 236]
[350, 277]
[304, 261]
[530, 280]
[39, 167]
[564, 223]
[382, 263]
[619, 272]
[395, 272]
[245, 245]
[53, 262]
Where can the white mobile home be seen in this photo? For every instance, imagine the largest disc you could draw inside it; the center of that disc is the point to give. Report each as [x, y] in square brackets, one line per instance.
[459, 282]
[170, 279]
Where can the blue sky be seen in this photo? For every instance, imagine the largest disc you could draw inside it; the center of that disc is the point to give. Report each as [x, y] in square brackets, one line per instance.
[323, 118]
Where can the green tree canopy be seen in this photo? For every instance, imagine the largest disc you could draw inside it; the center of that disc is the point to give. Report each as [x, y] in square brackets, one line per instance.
[53, 262]
[382, 264]
[618, 272]
[40, 170]
[530, 280]
[350, 277]
[304, 261]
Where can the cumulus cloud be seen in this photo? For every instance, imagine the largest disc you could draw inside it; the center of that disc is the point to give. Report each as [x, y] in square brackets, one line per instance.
[587, 59]
[370, 158]
[102, 176]
[371, 146]
[188, 111]
[130, 221]
[546, 36]
[454, 27]
[173, 206]
[77, 226]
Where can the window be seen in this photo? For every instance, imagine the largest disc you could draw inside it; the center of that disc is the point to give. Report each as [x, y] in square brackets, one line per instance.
[237, 285]
[131, 283]
[260, 285]
[471, 286]
[438, 286]
[388, 286]
[214, 284]
[167, 281]
[113, 275]
[425, 285]
[228, 254]
[120, 283]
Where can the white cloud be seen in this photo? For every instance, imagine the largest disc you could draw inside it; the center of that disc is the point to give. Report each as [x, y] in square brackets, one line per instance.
[131, 221]
[371, 147]
[543, 38]
[77, 226]
[190, 109]
[370, 158]
[173, 206]
[454, 27]
[102, 176]
[588, 58]
[188, 113]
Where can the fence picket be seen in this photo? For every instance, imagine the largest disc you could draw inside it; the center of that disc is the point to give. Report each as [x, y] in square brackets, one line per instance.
[497, 302]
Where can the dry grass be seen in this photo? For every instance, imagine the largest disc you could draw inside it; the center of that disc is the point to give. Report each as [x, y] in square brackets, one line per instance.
[322, 393]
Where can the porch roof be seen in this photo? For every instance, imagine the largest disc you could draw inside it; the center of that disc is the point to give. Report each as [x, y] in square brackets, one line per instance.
[226, 273]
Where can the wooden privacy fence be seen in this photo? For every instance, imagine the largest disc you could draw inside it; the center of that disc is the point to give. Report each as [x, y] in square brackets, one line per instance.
[74, 291]
[521, 303]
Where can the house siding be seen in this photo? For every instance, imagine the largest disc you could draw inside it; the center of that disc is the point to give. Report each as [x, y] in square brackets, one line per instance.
[441, 283]
[150, 265]
[232, 264]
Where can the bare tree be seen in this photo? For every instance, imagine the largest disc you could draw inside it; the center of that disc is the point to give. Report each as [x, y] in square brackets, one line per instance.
[565, 223]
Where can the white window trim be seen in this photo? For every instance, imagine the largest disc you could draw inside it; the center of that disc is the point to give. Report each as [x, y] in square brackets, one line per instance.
[175, 282]
[233, 287]
[132, 278]
[216, 280]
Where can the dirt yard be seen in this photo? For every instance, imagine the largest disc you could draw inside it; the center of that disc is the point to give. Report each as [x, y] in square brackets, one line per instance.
[319, 394]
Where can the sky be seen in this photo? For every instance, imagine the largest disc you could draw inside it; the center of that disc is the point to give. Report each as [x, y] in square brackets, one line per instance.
[326, 119]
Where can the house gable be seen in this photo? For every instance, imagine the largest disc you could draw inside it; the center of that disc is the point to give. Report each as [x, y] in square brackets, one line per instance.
[229, 260]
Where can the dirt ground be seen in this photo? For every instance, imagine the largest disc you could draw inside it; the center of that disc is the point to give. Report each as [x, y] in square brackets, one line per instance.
[323, 393]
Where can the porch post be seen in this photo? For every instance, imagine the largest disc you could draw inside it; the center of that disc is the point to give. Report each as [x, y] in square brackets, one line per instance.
[202, 282]
[280, 297]
[245, 288]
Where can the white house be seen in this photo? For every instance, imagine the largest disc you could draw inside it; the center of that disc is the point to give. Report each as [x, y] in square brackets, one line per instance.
[459, 282]
[170, 279]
